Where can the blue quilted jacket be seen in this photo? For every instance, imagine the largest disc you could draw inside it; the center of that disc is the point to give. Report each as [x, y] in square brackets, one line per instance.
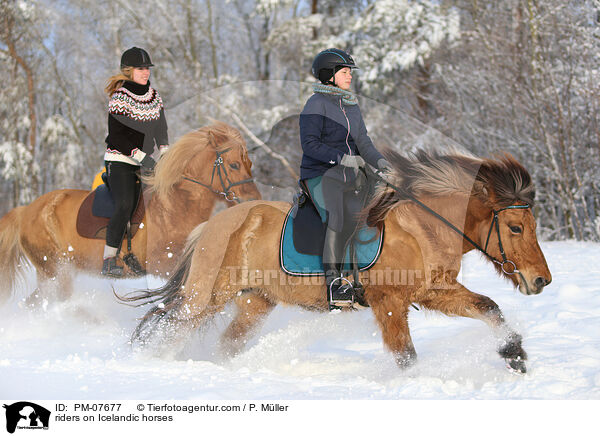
[328, 130]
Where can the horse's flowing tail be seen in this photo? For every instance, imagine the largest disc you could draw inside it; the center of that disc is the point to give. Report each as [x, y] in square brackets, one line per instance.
[167, 299]
[11, 253]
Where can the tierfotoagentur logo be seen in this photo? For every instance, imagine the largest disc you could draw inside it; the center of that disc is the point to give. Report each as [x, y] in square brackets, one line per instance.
[26, 415]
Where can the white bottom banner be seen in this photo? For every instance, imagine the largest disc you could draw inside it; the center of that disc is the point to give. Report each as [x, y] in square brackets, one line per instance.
[279, 418]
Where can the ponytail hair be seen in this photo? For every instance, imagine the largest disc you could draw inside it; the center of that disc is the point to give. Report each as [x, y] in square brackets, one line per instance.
[116, 81]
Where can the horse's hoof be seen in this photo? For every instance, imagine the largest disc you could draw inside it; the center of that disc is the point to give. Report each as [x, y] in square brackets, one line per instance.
[516, 365]
[34, 301]
[359, 305]
[406, 359]
[511, 348]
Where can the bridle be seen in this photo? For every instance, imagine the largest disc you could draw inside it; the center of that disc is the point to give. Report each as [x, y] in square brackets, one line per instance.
[495, 223]
[505, 261]
[220, 169]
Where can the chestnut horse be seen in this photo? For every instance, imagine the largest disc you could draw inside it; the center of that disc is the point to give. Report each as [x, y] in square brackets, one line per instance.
[202, 167]
[419, 262]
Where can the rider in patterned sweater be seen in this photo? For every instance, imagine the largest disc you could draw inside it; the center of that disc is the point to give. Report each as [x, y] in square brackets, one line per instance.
[137, 135]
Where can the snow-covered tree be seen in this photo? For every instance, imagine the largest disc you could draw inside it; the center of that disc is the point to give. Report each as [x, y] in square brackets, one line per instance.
[524, 79]
[392, 36]
[518, 75]
[19, 136]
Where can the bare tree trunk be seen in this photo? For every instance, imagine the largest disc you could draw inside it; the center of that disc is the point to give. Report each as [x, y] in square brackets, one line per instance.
[10, 40]
[314, 10]
[191, 37]
[211, 39]
[423, 91]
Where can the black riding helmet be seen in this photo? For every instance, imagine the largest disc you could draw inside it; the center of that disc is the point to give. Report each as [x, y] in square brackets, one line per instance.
[136, 57]
[329, 62]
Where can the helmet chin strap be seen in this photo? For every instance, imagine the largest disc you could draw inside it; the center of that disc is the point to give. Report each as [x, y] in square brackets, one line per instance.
[332, 80]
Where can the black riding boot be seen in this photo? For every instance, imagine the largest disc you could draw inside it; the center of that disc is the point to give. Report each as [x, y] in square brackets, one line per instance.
[339, 289]
[134, 264]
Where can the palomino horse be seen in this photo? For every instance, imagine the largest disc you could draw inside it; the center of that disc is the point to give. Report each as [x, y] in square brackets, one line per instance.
[497, 195]
[202, 167]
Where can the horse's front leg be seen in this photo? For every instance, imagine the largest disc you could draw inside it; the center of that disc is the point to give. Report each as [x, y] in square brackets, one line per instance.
[391, 313]
[459, 301]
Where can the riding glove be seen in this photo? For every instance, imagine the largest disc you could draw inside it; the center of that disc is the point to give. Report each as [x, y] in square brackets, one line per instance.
[385, 171]
[384, 165]
[352, 161]
[148, 162]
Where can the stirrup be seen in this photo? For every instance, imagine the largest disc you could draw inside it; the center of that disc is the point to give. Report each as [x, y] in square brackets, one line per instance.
[134, 264]
[341, 295]
[110, 267]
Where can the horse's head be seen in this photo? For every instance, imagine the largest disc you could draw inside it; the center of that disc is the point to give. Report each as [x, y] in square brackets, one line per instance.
[499, 217]
[215, 160]
[230, 173]
[507, 225]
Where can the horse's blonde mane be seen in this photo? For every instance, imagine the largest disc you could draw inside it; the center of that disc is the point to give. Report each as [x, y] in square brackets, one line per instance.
[498, 181]
[170, 168]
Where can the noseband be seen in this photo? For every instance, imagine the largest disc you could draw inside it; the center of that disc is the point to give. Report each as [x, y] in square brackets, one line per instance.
[220, 169]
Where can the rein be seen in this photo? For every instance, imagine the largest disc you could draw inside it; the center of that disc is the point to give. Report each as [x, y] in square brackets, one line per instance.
[505, 261]
[220, 169]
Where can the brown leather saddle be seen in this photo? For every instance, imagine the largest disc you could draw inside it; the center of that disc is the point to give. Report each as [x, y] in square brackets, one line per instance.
[91, 225]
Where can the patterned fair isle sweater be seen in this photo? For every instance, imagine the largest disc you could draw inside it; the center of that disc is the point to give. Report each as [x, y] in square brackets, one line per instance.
[136, 124]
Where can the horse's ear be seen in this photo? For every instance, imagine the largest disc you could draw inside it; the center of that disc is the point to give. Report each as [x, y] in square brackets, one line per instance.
[246, 159]
[484, 192]
[489, 194]
[211, 140]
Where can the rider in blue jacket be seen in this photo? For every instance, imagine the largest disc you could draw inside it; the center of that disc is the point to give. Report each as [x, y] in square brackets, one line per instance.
[336, 147]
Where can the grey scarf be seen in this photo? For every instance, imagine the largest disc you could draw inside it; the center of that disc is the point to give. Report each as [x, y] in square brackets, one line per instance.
[347, 97]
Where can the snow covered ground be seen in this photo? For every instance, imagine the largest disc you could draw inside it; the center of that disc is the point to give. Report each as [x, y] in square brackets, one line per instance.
[79, 350]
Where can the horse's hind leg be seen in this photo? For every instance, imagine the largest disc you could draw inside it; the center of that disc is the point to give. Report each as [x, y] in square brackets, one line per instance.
[63, 288]
[165, 329]
[252, 309]
[57, 287]
[462, 302]
[163, 335]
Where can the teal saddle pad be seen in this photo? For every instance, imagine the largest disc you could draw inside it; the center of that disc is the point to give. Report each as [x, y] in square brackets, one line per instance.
[368, 243]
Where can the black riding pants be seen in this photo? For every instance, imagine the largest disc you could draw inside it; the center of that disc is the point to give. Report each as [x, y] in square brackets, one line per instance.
[124, 184]
[339, 203]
